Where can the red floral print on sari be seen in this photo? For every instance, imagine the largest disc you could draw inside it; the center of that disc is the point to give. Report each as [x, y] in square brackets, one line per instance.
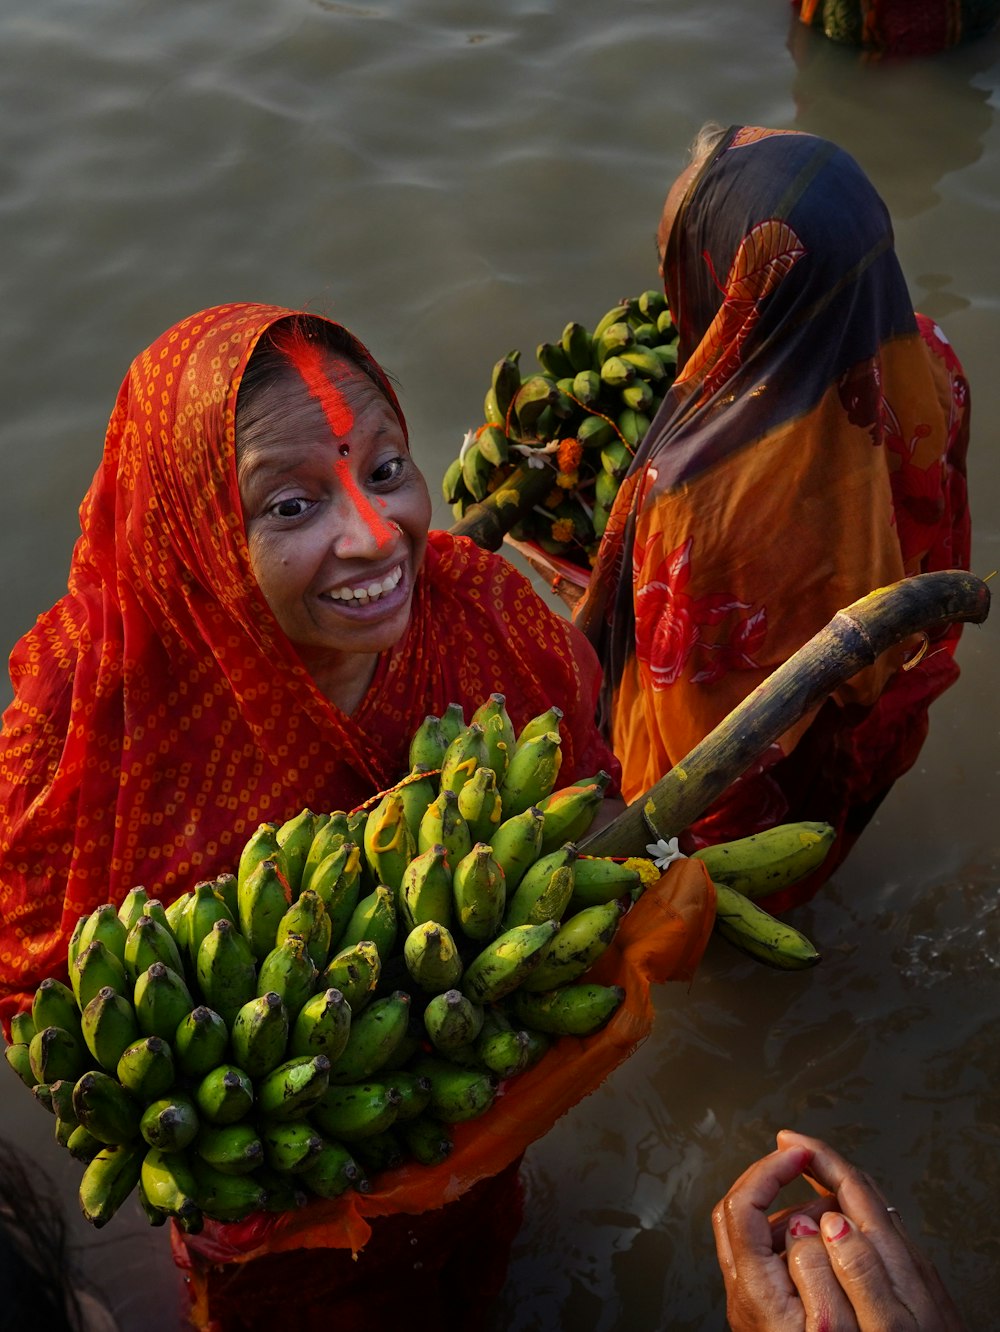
[670, 623]
[766, 254]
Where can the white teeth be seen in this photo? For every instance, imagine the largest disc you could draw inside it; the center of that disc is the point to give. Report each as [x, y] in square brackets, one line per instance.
[369, 593]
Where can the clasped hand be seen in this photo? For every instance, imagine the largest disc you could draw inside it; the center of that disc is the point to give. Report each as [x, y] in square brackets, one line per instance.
[842, 1262]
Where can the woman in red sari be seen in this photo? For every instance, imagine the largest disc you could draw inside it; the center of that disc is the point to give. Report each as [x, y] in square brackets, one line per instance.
[811, 449]
[257, 621]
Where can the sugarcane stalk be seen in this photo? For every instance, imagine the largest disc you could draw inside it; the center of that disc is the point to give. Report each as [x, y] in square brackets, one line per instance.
[852, 640]
[488, 521]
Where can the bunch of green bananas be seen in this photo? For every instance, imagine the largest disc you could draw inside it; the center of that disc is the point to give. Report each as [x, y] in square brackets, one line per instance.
[582, 414]
[362, 982]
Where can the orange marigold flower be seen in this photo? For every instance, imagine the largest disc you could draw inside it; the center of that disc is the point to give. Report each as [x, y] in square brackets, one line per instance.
[567, 480]
[562, 530]
[554, 498]
[568, 455]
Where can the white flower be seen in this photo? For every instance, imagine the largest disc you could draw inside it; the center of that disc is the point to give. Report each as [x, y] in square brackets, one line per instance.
[535, 453]
[664, 853]
[467, 443]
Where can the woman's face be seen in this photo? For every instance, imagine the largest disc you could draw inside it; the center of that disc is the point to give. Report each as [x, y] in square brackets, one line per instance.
[336, 523]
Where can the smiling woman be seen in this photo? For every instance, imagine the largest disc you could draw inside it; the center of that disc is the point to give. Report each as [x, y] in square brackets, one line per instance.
[257, 621]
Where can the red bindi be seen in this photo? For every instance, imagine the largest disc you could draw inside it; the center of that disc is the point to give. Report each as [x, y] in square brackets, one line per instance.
[345, 450]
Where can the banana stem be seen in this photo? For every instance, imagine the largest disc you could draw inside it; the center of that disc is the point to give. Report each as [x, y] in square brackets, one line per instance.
[488, 521]
[853, 639]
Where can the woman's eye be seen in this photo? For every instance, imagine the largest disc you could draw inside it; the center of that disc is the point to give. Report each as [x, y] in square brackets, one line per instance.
[389, 471]
[289, 508]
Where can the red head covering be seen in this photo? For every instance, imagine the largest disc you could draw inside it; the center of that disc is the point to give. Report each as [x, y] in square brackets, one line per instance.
[160, 713]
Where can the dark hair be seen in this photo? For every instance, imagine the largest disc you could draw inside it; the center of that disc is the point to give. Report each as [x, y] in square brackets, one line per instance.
[36, 1272]
[269, 363]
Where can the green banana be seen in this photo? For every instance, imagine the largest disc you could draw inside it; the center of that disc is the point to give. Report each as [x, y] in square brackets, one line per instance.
[264, 897]
[355, 972]
[498, 731]
[327, 839]
[146, 1068]
[176, 918]
[594, 432]
[82, 1145]
[331, 1171]
[169, 1185]
[428, 744]
[295, 837]
[598, 879]
[767, 861]
[587, 387]
[204, 909]
[517, 844]
[577, 343]
[554, 359]
[616, 338]
[359, 1110]
[259, 1035]
[338, 886]
[95, 967]
[457, 1094]
[414, 1093]
[226, 971]
[480, 894]
[452, 483]
[290, 1147]
[452, 1021]
[476, 470]
[452, 721]
[653, 304]
[374, 919]
[616, 372]
[105, 924]
[147, 942]
[109, 1178]
[578, 1009]
[542, 724]
[502, 1049]
[425, 892]
[73, 946]
[18, 1055]
[505, 963]
[532, 397]
[467, 752]
[162, 999]
[646, 363]
[493, 445]
[235, 1149]
[224, 1095]
[427, 1139]
[105, 1109]
[322, 1025]
[171, 1122]
[308, 919]
[431, 957]
[227, 887]
[579, 943]
[417, 790]
[762, 936]
[640, 397]
[152, 1214]
[22, 1025]
[54, 1053]
[201, 1040]
[374, 1036]
[387, 842]
[224, 1196]
[505, 380]
[444, 825]
[109, 1026]
[289, 972]
[262, 845]
[53, 1005]
[292, 1089]
[532, 772]
[545, 889]
[569, 812]
[479, 803]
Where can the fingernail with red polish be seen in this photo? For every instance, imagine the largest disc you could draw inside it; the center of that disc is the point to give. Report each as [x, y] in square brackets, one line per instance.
[800, 1225]
[834, 1226]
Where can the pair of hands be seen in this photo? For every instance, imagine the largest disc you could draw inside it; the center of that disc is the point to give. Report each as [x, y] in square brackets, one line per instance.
[840, 1263]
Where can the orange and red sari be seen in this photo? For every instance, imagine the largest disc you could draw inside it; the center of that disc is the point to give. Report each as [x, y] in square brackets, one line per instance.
[811, 450]
[900, 27]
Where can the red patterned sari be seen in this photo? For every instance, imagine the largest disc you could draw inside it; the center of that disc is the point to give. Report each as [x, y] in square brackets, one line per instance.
[160, 713]
[811, 450]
